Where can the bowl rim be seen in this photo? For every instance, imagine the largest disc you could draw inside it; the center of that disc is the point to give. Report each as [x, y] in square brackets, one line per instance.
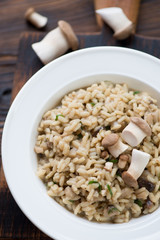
[62, 60]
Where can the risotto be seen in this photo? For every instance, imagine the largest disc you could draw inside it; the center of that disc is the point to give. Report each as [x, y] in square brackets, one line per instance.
[98, 153]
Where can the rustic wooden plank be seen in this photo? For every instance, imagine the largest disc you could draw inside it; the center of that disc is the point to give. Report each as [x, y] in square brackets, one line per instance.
[130, 8]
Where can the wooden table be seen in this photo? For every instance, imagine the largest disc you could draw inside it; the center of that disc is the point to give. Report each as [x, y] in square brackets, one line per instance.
[80, 13]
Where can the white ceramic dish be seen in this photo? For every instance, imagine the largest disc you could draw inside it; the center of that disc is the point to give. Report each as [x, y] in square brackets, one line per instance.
[43, 91]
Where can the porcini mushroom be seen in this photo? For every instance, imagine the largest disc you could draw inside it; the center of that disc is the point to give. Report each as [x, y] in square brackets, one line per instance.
[117, 20]
[35, 18]
[113, 143]
[139, 161]
[56, 43]
[136, 131]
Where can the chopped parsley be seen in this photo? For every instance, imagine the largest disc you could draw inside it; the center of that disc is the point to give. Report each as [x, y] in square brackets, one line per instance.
[112, 209]
[72, 201]
[138, 202]
[109, 189]
[92, 103]
[57, 116]
[99, 185]
[136, 92]
[113, 160]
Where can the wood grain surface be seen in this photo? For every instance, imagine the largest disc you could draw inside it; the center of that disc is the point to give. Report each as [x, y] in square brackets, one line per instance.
[80, 13]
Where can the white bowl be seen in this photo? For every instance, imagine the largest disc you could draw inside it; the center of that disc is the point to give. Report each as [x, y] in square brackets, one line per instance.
[78, 69]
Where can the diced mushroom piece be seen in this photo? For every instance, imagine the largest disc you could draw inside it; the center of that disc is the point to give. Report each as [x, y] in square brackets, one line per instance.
[108, 166]
[113, 143]
[123, 159]
[136, 131]
[104, 155]
[147, 184]
[139, 161]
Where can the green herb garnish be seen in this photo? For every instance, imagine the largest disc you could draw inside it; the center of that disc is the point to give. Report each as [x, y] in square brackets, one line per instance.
[72, 201]
[136, 92]
[114, 160]
[79, 136]
[99, 185]
[138, 202]
[109, 189]
[112, 210]
[92, 103]
[58, 116]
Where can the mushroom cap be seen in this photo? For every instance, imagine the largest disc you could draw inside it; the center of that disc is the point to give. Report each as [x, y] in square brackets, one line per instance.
[28, 12]
[124, 157]
[69, 34]
[142, 124]
[110, 140]
[124, 33]
[129, 179]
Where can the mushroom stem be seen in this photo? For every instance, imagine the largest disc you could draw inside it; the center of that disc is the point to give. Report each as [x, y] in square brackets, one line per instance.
[35, 18]
[139, 161]
[117, 148]
[56, 43]
[114, 144]
[117, 20]
[136, 131]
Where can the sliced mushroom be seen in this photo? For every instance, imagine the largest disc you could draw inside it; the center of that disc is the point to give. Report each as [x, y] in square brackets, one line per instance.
[147, 184]
[108, 166]
[139, 161]
[136, 131]
[113, 143]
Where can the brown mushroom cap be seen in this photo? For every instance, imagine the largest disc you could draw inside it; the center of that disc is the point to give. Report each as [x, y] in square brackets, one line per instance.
[29, 12]
[124, 157]
[69, 34]
[110, 140]
[142, 124]
[129, 180]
